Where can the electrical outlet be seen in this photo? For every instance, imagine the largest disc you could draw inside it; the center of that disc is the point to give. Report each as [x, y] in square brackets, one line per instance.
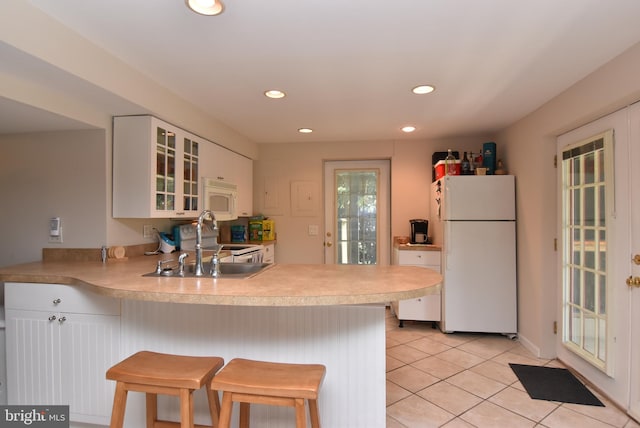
[147, 231]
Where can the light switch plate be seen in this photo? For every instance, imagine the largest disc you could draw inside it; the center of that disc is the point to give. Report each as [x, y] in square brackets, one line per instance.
[55, 230]
[313, 230]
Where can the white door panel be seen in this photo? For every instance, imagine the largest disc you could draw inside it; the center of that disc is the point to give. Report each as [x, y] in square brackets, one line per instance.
[634, 153]
[489, 197]
[479, 268]
[617, 380]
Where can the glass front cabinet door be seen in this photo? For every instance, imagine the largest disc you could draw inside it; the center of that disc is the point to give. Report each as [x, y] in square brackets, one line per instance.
[155, 169]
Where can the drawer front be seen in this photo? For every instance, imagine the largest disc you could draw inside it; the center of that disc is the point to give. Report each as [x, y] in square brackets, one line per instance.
[419, 258]
[58, 298]
[425, 308]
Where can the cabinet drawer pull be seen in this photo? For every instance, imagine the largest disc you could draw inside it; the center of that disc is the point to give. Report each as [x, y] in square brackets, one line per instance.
[57, 301]
[52, 318]
[62, 319]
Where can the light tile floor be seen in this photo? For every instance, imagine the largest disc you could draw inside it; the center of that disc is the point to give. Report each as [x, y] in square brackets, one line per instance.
[464, 380]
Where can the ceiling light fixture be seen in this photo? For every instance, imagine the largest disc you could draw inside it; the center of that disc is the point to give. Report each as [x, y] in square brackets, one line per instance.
[206, 7]
[408, 129]
[305, 130]
[423, 89]
[274, 93]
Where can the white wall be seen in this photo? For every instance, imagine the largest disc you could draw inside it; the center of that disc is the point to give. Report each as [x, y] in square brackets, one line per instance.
[531, 145]
[284, 163]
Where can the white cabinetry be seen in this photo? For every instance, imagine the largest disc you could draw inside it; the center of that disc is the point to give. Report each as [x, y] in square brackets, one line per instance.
[269, 255]
[60, 342]
[237, 169]
[426, 308]
[155, 169]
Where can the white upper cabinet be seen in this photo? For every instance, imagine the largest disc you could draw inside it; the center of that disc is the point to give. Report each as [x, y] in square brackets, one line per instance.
[225, 165]
[158, 170]
[244, 166]
[155, 169]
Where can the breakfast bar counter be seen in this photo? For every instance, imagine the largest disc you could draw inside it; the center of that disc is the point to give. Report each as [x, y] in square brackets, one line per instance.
[89, 315]
[276, 285]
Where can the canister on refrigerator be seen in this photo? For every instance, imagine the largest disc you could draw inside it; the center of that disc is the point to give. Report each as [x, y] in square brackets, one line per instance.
[489, 157]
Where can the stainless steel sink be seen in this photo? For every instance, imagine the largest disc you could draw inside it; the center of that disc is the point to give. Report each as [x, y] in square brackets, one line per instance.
[227, 270]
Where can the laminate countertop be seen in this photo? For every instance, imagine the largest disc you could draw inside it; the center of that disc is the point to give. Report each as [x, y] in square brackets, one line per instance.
[276, 285]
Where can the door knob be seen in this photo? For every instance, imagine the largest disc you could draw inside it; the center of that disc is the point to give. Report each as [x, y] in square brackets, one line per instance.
[633, 281]
[636, 259]
[328, 244]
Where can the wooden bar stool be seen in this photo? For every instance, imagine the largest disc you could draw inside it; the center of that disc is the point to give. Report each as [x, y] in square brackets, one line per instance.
[155, 373]
[279, 384]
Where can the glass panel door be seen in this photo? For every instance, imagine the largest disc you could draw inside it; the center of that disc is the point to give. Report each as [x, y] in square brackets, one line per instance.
[190, 175]
[357, 212]
[585, 192]
[165, 170]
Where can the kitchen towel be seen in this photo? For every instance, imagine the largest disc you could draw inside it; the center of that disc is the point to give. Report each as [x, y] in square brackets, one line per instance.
[554, 384]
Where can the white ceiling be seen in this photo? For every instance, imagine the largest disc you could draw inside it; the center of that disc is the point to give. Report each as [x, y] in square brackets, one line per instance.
[348, 65]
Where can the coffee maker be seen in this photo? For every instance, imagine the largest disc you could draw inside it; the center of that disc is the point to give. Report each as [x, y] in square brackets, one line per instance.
[419, 228]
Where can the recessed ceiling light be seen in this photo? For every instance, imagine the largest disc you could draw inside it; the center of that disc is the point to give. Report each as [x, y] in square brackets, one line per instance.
[274, 93]
[206, 7]
[423, 89]
[305, 130]
[408, 129]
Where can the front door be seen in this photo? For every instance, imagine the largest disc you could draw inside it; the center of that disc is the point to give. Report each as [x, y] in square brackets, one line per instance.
[598, 312]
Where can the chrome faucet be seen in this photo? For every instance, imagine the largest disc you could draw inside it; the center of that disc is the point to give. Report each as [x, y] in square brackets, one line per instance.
[215, 262]
[181, 263]
[199, 270]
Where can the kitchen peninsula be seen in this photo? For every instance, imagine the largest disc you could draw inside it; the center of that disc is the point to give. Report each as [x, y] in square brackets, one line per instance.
[328, 314]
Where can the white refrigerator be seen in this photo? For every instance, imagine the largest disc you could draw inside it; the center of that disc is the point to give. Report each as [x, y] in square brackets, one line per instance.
[473, 219]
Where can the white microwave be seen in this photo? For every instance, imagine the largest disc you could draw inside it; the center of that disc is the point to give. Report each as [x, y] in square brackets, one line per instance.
[221, 198]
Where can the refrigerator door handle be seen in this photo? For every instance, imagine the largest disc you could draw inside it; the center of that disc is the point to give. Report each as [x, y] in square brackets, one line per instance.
[447, 248]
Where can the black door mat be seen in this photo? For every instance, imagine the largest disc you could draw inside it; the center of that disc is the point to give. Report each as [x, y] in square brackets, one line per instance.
[554, 384]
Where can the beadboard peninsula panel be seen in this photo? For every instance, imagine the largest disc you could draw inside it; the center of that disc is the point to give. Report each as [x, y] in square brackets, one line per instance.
[348, 340]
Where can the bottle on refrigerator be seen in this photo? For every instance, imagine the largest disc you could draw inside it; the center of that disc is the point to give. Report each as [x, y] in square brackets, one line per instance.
[466, 167]
[450, 163]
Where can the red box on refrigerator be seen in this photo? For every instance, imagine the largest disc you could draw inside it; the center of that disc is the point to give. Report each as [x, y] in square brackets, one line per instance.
[440, 168]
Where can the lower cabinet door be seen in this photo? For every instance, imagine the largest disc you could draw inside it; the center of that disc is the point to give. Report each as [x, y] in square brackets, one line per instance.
[90, 345]
[61, 359]
[33, 358]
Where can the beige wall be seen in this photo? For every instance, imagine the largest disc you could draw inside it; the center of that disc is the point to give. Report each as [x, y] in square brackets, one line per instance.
[64, 174]
[531, 145]
[280, 164]
[53, 174]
